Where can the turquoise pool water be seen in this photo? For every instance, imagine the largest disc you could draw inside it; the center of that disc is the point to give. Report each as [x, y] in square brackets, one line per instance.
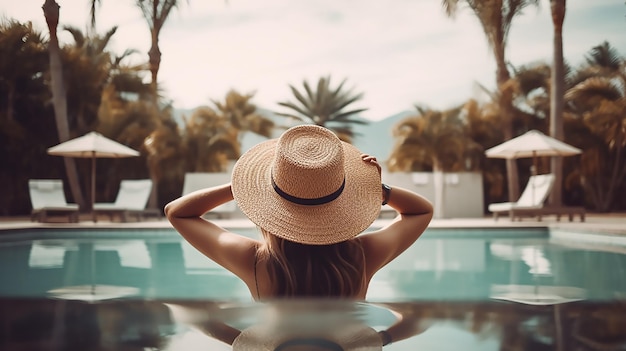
[482, 289]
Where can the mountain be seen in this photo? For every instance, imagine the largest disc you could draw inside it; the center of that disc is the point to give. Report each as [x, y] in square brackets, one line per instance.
[373, 138]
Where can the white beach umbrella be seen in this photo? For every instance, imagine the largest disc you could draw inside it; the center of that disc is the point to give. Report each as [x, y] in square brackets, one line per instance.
[537, 294]
[94, 292]
[92, 145]
[531, 144]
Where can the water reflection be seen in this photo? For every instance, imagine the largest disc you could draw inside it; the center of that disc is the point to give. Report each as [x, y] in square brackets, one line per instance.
[163, 266]
[143, 268]
[115, 291]
[37, 324]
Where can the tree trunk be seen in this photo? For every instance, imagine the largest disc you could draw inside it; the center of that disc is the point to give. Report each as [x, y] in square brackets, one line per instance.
[556, 98]
[506, 109]
[59, 96]
[616, 177]
[438, 182]
[154, 57]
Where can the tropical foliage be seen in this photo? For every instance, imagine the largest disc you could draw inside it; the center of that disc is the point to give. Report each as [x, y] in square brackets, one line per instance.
[51, 11]
[20, 43]
[166, 156]
[155, 12]
[325, 106]
[242, 115]
[106, 95]
[598, 113]
[92, 88]
[23, 89]
[88, 66]
[496, 18]
[483, 121]
[557, 101]
[434, 141]
[208, 141]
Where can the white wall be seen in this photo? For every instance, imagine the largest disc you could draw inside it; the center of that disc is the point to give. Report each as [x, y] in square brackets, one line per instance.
[462, 193]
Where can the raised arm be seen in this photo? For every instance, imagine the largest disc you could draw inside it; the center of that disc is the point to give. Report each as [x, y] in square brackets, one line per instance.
[232, 251]
[414, 214]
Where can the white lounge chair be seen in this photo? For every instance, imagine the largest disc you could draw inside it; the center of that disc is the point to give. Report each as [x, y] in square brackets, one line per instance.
[47, 197]
[132, 198]
[532, 199]
[197, 181]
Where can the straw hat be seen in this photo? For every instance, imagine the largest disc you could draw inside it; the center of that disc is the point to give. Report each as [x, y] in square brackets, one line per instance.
[308, 187]
[351, 337]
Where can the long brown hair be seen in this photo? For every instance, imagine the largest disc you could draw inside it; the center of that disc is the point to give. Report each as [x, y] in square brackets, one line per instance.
[299, 270]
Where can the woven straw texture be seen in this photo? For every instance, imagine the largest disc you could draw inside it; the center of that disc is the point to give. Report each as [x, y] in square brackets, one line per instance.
[307, 162]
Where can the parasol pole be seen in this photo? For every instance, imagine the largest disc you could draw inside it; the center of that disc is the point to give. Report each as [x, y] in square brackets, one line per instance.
[533, 172]
[93, 185]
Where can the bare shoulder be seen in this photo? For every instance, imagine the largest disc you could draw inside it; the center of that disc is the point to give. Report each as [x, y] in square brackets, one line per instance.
[233, 251]
[384, 245]
[375, 255]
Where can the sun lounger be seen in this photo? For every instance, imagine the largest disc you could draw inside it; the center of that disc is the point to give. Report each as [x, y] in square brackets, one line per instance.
[47, 197]
[131, 199]
[531, 200]
[558, 211]
[197, 181]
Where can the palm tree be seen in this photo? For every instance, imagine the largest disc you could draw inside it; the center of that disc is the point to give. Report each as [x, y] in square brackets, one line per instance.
[127, 114]
[28, 57]
[155, 12]
[25, 119]
[59, 96]
[599, 99]
[496, 17]
[531, 95]
[130, 123]
[325, 107]
[210, 140]
[483, 120]
[242, 114]
[556, 95]
[89, 67]
[529, 89]
[166, 156]
[436, 140]
[95, 80]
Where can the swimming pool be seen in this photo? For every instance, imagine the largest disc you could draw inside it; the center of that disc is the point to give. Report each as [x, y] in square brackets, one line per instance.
[479, 289]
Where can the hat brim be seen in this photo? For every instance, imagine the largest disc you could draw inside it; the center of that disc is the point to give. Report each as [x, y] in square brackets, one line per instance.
[342, 219]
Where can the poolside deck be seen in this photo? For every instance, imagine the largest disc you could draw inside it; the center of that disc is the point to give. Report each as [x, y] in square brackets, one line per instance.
[613, 224]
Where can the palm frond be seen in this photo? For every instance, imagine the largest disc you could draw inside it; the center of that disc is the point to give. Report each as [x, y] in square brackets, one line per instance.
[595, 88]
[604, 55]
[343, 117]
[305, 103]
[294, 107]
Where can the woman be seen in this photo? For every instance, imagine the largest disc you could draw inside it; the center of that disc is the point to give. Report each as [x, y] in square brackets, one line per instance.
[311, 195]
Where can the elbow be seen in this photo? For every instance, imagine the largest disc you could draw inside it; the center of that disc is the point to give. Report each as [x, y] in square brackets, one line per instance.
[167, 210]
[430, 209]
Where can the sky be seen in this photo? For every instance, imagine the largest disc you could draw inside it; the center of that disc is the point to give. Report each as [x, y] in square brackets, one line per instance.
[398, 53]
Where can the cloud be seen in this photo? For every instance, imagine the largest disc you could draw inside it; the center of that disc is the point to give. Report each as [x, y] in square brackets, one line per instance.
[397, 52]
